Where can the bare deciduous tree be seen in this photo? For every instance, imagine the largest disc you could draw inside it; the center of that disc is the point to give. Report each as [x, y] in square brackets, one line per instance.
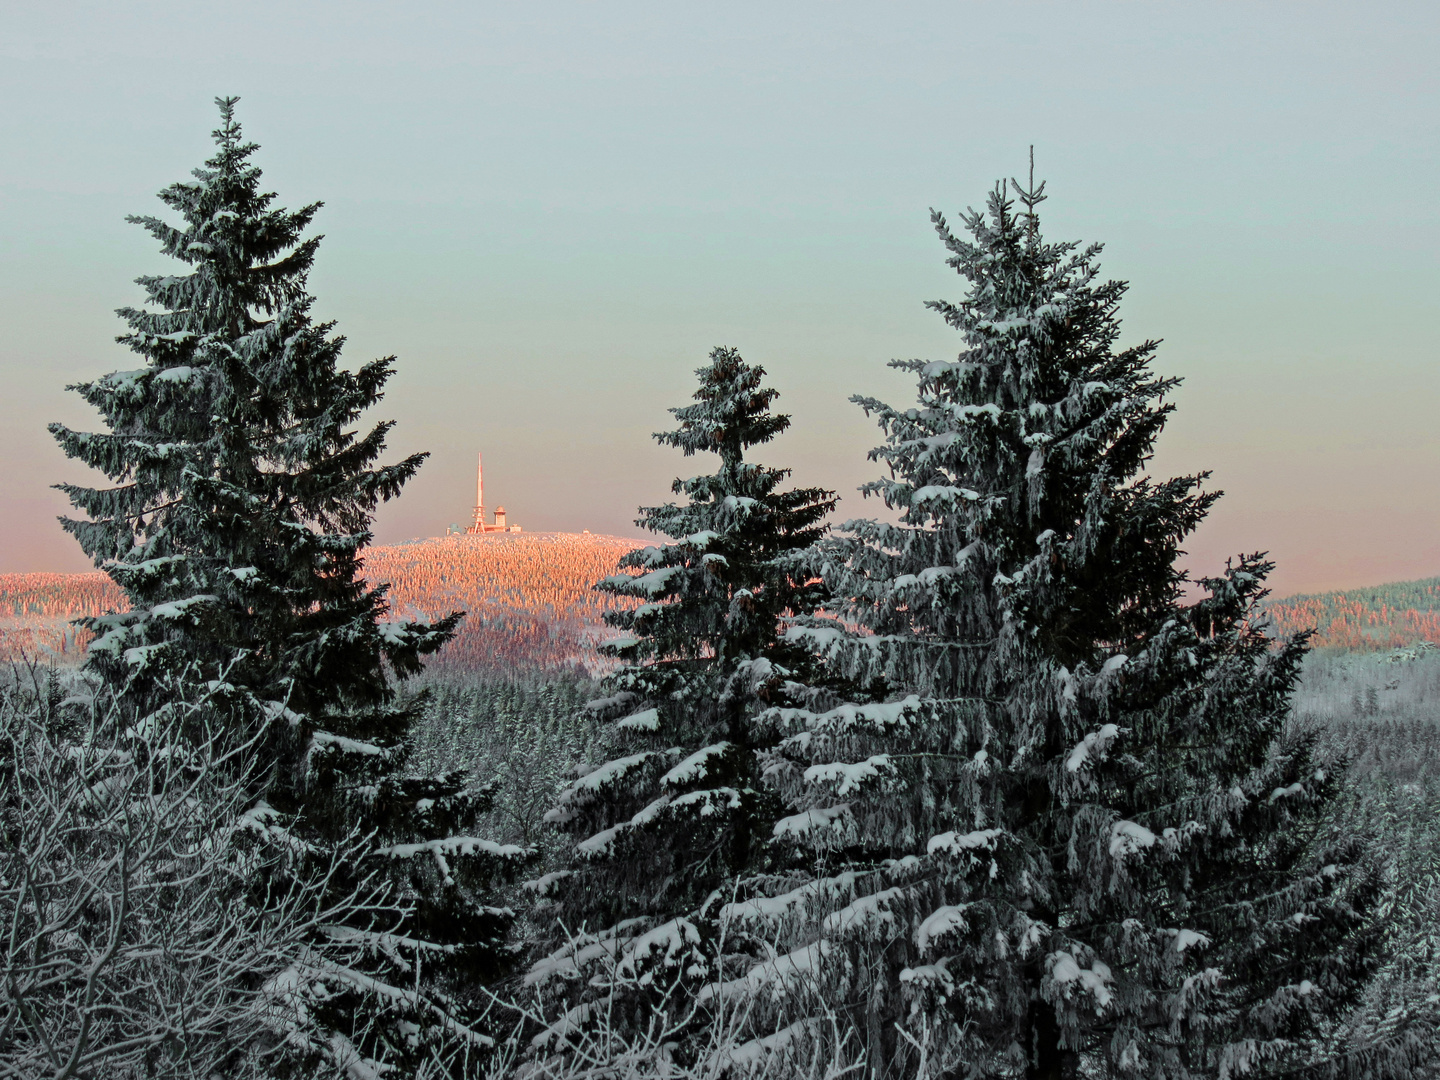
[156, 919]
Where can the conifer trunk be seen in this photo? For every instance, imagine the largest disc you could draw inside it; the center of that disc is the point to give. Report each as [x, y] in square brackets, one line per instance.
[1047, 1062]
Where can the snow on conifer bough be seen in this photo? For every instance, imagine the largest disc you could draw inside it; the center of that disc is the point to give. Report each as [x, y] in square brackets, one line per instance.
[1053, 860]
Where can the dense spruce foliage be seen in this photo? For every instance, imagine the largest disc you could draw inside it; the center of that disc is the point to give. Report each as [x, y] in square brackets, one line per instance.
[1377, 713]
[678, 810]
[243, 499]
[1072, 832]
[239, 511]
[524, 732]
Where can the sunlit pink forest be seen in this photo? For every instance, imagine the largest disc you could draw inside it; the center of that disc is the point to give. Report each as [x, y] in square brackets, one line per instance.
[528, 596]
[531, 602]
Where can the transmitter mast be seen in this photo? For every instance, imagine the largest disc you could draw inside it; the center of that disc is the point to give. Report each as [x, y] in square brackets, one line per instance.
[480, 525]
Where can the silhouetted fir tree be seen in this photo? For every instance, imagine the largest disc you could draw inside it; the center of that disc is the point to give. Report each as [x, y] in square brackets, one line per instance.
[1073, 835]
[663, 827]
[236, 525]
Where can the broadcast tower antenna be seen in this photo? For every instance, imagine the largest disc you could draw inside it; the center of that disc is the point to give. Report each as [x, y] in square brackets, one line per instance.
[479, 493]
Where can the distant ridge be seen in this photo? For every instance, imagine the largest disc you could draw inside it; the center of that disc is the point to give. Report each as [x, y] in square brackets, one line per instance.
[530, 599]
[532, 603]
[530, 596]
[1364, 620]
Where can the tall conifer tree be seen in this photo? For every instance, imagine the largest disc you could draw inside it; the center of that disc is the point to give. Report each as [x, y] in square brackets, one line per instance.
[236, 525]
[1069, 832]
[663, 827]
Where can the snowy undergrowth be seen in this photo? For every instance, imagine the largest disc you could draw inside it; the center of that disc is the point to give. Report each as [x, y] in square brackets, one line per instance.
[159, 922]
[1379, 715]
[522, 734]
[1344, 688]
[676, 1034]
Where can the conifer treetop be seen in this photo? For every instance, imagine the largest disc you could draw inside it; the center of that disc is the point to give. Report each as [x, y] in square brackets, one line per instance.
[243, 489]
[1034, 823]
[732, 411]
[233, 237]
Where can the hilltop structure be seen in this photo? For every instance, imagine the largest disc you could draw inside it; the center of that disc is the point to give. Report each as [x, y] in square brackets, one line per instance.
[480, 525]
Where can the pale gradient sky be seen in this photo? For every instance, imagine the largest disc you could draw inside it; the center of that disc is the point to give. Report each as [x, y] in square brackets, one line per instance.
[552, 212]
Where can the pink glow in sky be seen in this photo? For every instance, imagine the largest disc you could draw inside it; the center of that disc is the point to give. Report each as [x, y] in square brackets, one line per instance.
[552, 213]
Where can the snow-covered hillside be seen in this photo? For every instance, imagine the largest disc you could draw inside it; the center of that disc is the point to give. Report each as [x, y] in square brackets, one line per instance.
[529, 596]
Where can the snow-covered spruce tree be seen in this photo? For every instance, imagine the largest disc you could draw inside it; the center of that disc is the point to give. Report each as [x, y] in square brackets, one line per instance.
[1075, 836]
[236, 524]
[665, 825]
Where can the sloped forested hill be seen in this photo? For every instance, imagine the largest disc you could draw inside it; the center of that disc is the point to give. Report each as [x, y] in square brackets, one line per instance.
[36, 609]
[1365, 620]
[529, 596]
[531, 602]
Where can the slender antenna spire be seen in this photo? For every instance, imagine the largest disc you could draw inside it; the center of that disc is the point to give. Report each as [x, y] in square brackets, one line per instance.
[479, 492]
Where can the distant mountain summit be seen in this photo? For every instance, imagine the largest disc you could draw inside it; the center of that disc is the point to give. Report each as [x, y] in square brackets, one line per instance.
[529, 596]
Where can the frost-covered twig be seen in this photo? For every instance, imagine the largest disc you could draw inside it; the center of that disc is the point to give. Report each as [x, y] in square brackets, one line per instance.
[148, 908]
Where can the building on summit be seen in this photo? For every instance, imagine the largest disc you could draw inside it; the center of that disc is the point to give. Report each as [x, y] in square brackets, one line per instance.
[480, 525]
